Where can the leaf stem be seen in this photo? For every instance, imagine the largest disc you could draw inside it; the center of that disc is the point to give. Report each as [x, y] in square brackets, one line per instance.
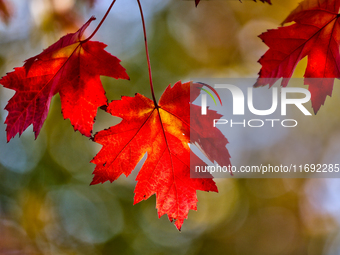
[147, 53]
[100, 23]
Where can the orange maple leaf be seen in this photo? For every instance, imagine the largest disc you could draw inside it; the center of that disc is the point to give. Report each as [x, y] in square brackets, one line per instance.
[163, 132]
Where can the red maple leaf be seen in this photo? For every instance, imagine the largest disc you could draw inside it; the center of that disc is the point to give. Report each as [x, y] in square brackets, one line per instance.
[71, 67]
[263, 1]
[163, 132]
[316, 34]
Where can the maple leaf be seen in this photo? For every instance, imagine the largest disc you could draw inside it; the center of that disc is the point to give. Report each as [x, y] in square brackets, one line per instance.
[71, 67]
[316, 34]
[5, 11]
[163, 132]
[263, 1]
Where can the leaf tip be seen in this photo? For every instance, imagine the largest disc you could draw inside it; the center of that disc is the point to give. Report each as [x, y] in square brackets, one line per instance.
[178, 224]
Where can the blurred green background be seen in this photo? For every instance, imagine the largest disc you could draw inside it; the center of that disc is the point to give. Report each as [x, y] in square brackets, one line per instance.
[46, 203]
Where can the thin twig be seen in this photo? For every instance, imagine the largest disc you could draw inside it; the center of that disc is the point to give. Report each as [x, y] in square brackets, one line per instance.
[147, 53]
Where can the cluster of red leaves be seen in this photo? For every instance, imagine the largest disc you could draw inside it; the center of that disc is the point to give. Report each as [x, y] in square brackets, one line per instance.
[316, 34]
[163, 130]
[72, 67]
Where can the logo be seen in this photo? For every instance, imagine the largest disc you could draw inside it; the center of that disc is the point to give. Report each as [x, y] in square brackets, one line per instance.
[240, 101]
[204, 97]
